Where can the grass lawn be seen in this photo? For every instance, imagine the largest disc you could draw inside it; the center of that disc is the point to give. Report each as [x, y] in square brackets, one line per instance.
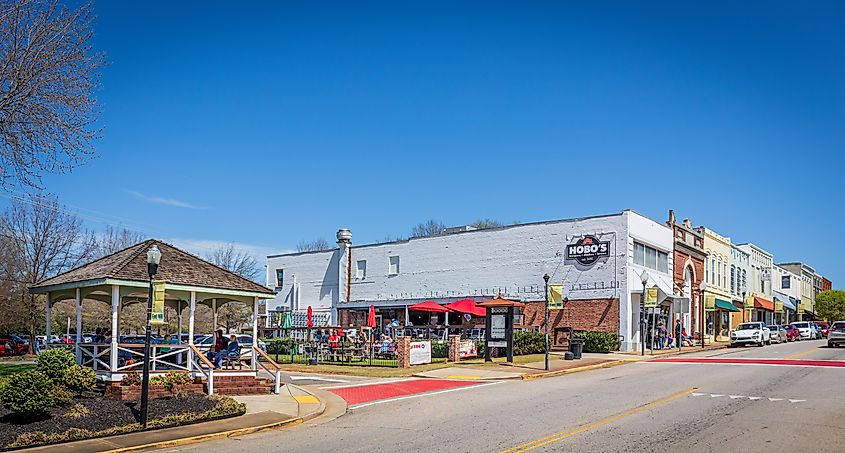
[8, 368]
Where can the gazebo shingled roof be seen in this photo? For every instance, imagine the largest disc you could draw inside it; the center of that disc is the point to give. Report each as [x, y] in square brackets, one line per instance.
[176, 267]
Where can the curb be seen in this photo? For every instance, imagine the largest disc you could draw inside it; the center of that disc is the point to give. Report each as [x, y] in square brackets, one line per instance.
[230, 433]
[480, 378]
[530, 377]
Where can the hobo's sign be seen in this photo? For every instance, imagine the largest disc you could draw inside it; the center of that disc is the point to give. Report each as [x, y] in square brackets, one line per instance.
[587, 250]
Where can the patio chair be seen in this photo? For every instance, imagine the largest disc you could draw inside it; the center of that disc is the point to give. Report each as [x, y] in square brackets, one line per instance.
[232, 358]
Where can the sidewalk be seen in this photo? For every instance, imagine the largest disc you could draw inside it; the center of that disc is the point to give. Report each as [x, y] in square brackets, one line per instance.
[531, 370]
[674, 351]
[263, 412]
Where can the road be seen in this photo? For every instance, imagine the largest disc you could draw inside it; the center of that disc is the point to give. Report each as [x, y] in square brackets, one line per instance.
[644, 406]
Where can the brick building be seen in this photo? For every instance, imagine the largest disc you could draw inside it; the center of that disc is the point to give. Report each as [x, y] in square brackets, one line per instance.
[688, 268]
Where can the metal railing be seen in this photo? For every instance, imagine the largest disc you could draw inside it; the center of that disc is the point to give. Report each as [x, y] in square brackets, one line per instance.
[371, 353]
[276, 371]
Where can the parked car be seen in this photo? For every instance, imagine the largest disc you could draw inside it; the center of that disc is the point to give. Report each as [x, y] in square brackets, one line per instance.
[836, 335]
[15, 345]
[823, 328]
[750, 333]
[807, 329]
[777, 334]
[244, 340]
[792, 333]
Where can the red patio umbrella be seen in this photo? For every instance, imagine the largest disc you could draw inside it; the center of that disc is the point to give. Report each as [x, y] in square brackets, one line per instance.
[371, 317]
[310, 317]
[429, 306]
[467, 306]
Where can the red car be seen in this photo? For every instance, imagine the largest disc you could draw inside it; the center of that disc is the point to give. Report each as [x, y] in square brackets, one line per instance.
[792, 333]
[824, 328]
[14, 345]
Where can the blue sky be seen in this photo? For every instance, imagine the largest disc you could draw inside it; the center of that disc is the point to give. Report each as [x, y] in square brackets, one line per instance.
[268, 124]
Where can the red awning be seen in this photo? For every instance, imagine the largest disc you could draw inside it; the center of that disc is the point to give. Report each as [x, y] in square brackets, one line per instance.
[763, 304]
[429, 306]
[467, 306]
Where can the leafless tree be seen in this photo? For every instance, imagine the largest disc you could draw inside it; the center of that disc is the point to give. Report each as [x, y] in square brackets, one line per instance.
[482, 224]
[232, 259]
[48, 75]
[428, 228]
[114, 239]
[42, 240]
[314, 245]
[233, 314]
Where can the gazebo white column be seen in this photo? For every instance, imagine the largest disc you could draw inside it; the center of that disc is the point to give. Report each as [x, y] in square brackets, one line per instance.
[192, 308]
[214, 312]
[254, 333]
[115, 329]
[78, 326]
[49, 318]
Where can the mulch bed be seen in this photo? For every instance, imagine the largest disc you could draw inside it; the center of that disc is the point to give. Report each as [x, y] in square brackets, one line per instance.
[103, 413]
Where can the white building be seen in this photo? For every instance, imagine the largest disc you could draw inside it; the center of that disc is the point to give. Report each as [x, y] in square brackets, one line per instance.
[599, 260]
[786, 288]
[759, 300]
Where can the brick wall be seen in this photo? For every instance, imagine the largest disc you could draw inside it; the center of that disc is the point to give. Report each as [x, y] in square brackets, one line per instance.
[678, 276]
[600, 315]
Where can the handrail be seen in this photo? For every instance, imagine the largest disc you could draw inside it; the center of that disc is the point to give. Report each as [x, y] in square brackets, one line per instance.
[277, 373]
[200, 359]
[201, 356]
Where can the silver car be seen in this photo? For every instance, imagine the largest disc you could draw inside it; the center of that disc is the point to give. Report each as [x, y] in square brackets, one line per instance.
[836, 334]
[777, 334]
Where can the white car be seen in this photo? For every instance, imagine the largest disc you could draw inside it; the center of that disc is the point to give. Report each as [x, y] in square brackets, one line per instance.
[751, 333]
[836, 334]
[806, 328]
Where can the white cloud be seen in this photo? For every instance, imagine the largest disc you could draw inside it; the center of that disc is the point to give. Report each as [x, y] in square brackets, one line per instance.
[164, 201]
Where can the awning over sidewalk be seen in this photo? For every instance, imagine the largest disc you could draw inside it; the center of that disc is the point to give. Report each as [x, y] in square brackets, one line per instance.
[763, 304]
[786, 300]
[725, 305]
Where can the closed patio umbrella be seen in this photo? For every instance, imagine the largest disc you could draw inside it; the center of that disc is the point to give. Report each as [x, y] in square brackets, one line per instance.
[371, 317]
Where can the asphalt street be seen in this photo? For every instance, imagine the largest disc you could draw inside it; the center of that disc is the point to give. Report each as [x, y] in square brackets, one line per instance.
[643, 406]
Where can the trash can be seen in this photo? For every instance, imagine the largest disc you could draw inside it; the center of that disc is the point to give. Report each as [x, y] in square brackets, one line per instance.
[576, 347]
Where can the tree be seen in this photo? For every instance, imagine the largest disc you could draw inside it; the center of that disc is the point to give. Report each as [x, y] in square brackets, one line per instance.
[42, 239]
[314, 245]
[114, 239]
[233, 314]
[48, 75]
[830, 305]
[428, 228]
[486, 223]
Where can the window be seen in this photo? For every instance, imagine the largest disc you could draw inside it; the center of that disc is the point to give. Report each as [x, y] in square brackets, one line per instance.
[393, 267]
[733, 280]
[719, 272]
[784, 282]
[707, 269]
[651, 257]
[361, 269]
[280, 278]
[744, 281]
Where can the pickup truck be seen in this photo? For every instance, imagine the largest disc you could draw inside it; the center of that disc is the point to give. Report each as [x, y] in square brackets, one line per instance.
[751, 333]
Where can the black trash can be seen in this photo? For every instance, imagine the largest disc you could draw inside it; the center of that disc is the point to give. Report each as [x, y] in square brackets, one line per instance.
[576, 347]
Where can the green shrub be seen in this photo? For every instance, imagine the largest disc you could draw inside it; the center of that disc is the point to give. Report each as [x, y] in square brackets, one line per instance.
[598, 341]
[439, 349]
[77, 411]
[55, 362]
[61, 396]
[525, 343]
[80, 379]
[131, 378]
[280, 345]
[28, 394]
[173, 379]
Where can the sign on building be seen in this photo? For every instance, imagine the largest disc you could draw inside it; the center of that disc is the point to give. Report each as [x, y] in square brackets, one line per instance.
[420, 352]
[587, 250]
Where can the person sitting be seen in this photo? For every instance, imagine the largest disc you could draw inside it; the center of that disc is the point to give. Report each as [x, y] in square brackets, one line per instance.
[232, 353]
[385, 345]
[220, 344]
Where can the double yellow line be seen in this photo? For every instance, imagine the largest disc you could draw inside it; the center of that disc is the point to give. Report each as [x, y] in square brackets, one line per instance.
[528, 446]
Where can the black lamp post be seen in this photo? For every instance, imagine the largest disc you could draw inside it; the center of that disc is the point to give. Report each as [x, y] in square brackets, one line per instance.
[153, 258]
[644, 280]
[546, 279]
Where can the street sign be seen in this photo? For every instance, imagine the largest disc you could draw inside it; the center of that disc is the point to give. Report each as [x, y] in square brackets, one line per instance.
[650, 297]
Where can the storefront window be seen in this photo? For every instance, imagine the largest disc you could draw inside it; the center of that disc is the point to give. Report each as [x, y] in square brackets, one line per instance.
[710, 319]
[724, 331]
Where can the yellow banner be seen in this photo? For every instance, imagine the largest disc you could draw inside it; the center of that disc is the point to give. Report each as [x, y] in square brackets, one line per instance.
[709, 302]
[555, 296]
[800, 308]
[748, 302]
[650, 297]
[778, 306]
[157, 316]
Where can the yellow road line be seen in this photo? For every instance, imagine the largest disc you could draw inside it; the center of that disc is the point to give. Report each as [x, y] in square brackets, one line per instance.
[528, 446]
[799, 354]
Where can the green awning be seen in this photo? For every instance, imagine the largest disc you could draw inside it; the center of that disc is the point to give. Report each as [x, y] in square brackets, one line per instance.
[725, 305]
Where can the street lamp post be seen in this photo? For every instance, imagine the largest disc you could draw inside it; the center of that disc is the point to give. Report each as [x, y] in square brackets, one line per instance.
[744, 291]
[644, 280]
[702, 287]
[153, 259]
[546, 279]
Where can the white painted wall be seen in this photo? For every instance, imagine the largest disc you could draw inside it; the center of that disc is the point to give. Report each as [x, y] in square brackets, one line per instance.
[480, 264]
[794, 289]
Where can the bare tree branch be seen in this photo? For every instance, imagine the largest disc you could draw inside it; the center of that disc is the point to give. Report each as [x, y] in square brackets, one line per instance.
[428, 228]
[314, 245]
[48, 75]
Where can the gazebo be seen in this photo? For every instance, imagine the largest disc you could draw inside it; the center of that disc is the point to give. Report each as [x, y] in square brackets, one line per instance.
[121, 279]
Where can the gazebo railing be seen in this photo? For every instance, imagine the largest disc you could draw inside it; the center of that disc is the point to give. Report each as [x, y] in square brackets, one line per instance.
[276, 371]
[92, 355]
[133, 357]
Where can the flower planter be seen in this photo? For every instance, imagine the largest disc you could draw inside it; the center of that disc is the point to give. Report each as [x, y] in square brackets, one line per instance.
[123, 392]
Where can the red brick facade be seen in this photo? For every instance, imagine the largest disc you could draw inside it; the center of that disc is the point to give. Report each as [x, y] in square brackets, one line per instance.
[827, 285]
[688, 251]
[600, 315]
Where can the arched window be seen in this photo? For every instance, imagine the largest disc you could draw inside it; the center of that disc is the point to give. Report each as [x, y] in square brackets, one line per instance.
[733, 281]
[719, 273]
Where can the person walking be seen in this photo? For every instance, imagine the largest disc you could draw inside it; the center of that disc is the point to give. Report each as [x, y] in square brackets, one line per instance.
[661, 335]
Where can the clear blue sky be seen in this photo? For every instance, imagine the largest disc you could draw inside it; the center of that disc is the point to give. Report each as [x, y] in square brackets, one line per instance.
[270, 124]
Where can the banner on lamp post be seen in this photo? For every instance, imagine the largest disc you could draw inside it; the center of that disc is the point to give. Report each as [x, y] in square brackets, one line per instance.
[650, 297]
[555, 296]
[157, 316]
